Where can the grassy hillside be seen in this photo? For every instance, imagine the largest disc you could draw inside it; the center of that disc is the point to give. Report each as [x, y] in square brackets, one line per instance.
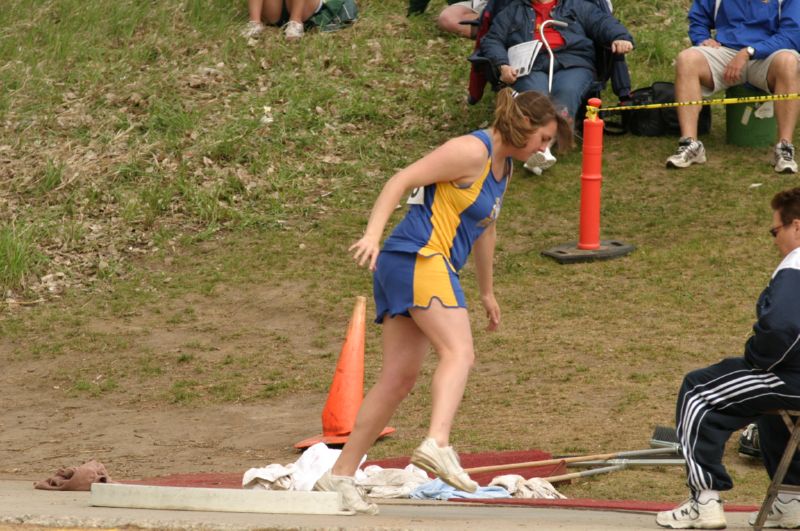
[155, 168]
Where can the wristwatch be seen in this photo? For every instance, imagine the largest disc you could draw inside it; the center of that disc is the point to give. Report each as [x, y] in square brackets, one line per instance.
[750, 51]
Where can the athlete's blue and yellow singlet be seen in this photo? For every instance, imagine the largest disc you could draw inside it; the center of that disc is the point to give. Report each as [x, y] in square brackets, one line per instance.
[444, 221]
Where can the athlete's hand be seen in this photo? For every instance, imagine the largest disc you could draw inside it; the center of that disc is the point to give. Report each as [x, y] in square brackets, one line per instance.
[365, 251]
[492, 311]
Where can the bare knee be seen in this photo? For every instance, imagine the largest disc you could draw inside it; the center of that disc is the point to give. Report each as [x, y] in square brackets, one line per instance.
[784, 67]
[398, 386]
[689, 62]
[464, 358]
[447, 22]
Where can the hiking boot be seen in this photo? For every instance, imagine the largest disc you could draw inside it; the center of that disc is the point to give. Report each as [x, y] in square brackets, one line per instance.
[252, 30]
[444, 463]
[694, 515]
[352, 496]
[690, 151]
[540, 161]
[783, 515]
[293, 30]
[748, 442]
[783, 158]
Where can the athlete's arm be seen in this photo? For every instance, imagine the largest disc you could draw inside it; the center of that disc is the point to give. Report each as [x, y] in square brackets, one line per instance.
[458, 159]
[484, 267]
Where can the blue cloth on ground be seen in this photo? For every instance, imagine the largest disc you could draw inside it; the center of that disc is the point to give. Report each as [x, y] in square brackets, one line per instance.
[439, 490]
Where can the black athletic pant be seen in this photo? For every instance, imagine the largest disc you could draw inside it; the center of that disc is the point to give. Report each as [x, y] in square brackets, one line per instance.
[725, 397]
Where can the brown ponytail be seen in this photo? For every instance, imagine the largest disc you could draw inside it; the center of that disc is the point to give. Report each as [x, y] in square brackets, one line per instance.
[518, 115]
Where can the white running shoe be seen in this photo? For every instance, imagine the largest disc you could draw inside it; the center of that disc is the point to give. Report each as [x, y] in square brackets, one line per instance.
[694, 515]
[252, 29]
[444, 463]
[293, 30]
[782, 515]
[690, 151]
[352, 497]
[540, 161]
[783, 158]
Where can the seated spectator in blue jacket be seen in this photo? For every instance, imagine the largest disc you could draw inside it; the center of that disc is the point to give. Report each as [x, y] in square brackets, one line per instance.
[573, 47]
[736, 42]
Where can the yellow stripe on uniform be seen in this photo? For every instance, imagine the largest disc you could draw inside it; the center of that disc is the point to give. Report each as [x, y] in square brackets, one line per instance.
[449, 202]
[432, 279]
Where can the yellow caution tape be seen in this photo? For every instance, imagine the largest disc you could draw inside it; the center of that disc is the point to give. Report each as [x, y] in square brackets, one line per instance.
[591, 111]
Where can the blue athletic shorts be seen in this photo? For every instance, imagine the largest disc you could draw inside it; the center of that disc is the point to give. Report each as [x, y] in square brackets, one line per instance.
[409, 280]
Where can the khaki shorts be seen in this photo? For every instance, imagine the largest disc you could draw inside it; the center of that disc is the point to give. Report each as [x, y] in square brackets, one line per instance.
[474, 5]
[754, 73]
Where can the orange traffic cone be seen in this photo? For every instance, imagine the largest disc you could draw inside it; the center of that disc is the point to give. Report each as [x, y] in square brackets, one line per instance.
[347, 389]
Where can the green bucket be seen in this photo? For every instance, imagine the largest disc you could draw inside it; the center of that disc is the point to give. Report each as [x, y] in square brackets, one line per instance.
[747, 124]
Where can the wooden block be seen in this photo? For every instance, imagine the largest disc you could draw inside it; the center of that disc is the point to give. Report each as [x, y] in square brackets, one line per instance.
[223, 500]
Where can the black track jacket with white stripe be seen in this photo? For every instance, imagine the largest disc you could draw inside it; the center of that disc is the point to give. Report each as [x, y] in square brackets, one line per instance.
[775, 343]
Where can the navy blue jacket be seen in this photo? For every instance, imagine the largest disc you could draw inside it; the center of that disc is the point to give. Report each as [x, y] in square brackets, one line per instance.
[587, 24]
[775, 343]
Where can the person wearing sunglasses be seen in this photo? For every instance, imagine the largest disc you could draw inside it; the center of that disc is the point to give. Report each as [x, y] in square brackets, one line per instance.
[718, 400]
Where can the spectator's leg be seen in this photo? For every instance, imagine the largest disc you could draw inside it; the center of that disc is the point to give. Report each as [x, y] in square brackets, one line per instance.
[569, 86]
[691, 71]
[271, 10]
[534, 81]
[301, 10]
[783, 78]
[255, 7]
[450, 20]
[716, 401]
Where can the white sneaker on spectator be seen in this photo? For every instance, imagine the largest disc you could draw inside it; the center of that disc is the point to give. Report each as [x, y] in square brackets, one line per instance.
[443, 463]
[782, 515]
[783, 158]
[293, 30]
[540, 161]
[252, 29]
[692, 514]
[352, 498]
[690, 151]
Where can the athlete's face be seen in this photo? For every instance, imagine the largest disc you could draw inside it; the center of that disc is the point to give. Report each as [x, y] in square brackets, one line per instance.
[541, 138]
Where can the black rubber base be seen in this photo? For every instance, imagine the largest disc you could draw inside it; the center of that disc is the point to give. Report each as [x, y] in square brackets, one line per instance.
[570, 254]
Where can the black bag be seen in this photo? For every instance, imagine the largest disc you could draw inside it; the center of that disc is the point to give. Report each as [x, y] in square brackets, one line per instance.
[659, 122]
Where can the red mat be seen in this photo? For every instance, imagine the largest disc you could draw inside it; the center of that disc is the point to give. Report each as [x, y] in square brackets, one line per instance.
[234, 481]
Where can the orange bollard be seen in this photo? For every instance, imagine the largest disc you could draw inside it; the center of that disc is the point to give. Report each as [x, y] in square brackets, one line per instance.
[591, 180]
[589, 246]
[347, 390]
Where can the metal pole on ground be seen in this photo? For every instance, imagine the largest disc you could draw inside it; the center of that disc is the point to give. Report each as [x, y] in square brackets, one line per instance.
[589, 247]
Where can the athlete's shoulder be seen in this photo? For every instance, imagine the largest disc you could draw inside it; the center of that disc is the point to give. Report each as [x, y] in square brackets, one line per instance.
[468, 147]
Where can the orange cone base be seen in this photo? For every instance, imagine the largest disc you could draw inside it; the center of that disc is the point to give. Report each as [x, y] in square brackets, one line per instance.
[334, 439]
[570, 253]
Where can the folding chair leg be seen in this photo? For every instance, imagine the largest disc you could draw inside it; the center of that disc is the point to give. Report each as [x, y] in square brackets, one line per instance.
[780, 472]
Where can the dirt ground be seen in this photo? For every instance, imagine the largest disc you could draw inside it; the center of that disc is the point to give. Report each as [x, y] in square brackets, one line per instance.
[243, 337]
[46, 425]
[41, 435]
